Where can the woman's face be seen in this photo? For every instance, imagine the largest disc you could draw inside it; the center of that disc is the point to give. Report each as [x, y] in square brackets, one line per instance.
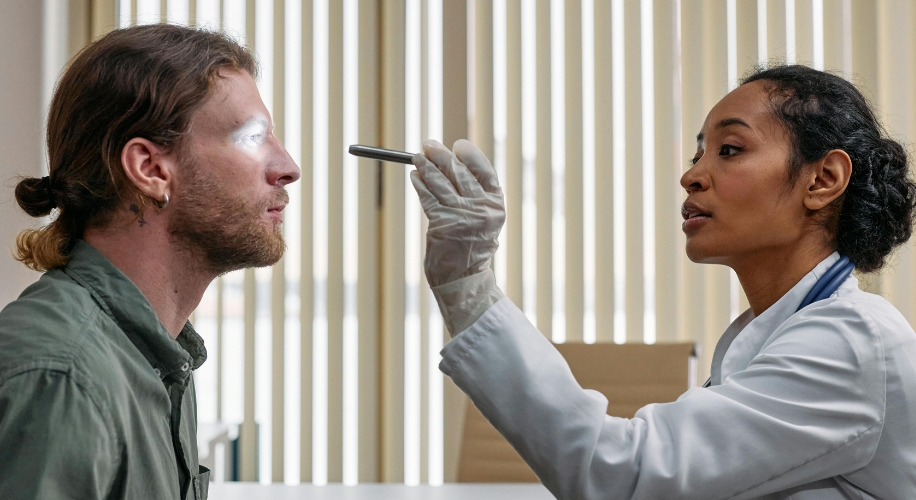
[739, 202]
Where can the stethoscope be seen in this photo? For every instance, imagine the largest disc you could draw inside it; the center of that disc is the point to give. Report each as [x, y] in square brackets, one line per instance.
[825, 286]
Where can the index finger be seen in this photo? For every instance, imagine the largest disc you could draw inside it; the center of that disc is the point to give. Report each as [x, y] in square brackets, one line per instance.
[438, 184]
[447, 162]
[478, 164]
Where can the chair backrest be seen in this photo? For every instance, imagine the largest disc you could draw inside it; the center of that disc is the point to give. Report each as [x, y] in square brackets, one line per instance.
[629, 375]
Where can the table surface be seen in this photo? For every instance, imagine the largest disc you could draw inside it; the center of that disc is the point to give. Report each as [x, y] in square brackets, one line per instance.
[376, 491]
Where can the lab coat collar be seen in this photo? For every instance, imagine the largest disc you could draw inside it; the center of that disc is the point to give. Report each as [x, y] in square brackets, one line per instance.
[734, 352]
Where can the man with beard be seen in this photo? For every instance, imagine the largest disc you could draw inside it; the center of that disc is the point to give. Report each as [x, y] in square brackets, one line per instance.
[164, 174]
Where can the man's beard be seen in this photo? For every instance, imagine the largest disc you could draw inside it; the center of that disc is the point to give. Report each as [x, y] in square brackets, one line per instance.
[225, 231]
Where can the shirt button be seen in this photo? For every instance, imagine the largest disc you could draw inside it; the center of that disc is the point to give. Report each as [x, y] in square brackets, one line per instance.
[185, 367]
[158, 373]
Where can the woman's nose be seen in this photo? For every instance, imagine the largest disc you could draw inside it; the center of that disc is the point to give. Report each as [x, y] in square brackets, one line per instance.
[694, 179]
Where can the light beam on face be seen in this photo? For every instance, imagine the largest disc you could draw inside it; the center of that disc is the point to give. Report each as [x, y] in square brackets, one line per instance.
[250, 137]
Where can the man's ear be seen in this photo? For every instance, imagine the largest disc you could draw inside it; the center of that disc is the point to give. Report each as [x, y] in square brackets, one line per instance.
[828, 179]
[148, 167]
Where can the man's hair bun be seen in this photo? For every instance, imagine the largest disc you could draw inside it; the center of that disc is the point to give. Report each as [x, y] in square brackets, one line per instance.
[35, 196]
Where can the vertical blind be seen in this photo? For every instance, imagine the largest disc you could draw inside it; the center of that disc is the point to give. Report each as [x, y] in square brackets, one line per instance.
[328, 360]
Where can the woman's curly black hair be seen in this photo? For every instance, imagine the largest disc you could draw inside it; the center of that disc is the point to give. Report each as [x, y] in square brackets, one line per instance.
[822, 112]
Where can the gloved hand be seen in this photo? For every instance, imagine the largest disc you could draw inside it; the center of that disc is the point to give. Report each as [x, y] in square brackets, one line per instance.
[462, 199]
[464, 203]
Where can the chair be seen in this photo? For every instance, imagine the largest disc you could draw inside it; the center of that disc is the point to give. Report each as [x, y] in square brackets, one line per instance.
[215, 450]
[629, 375]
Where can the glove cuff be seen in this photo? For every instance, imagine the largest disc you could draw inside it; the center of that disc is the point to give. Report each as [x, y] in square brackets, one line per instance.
[463, 301]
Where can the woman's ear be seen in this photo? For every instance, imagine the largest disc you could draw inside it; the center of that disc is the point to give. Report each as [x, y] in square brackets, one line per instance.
[148, 167]
[828, 179]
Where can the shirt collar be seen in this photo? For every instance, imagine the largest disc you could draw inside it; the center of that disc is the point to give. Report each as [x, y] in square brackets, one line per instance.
[121, 300]
[734, 352]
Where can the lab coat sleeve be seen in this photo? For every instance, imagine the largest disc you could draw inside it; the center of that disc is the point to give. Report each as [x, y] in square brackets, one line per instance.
[809, 406]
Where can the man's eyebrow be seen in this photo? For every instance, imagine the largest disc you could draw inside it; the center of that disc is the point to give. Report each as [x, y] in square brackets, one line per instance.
[727, 122]
[247, 124]
[255, 121]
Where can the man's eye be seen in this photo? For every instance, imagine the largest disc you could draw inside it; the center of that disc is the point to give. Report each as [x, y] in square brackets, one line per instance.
[728, 150]
[252, 140]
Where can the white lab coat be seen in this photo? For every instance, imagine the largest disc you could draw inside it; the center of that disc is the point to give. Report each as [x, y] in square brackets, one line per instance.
[819, 404]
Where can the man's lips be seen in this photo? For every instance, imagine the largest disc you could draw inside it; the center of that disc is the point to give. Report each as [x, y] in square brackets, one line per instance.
[278, 204]
[276, 211]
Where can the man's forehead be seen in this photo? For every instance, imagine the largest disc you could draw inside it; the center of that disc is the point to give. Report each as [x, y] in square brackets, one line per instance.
[232, 84]
[234, 102]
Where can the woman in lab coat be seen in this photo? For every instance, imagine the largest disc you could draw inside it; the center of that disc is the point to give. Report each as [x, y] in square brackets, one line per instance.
[791, 172]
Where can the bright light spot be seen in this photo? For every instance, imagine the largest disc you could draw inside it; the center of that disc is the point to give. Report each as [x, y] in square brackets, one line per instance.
[618, 133]
[558, 161]
[320, 243]
[647, 65]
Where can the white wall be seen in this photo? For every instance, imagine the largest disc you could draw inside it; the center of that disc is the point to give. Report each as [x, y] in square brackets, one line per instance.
[20, 129]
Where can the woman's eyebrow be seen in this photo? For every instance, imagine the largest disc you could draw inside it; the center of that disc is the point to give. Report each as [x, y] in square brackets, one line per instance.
[727, 122]
[732, 121]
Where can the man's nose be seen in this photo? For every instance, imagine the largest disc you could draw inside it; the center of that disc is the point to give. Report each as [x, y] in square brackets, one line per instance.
[284, 170]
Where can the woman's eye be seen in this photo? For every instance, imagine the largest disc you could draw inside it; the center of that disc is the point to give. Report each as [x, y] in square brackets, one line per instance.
[694, 160]
[728, 150]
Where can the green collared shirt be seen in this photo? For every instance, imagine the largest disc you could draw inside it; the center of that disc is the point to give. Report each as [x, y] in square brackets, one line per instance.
[96, 398]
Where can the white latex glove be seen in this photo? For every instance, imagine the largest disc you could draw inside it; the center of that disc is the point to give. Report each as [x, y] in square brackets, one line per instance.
[462, 199]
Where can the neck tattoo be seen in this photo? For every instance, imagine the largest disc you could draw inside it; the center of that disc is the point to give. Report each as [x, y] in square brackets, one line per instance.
[135, 209]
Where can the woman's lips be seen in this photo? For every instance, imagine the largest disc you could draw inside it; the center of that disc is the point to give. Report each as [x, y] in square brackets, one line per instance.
[694, 216]
[693, 223]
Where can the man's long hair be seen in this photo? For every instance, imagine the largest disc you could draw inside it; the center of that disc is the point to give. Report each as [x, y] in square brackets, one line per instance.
[144, 81]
